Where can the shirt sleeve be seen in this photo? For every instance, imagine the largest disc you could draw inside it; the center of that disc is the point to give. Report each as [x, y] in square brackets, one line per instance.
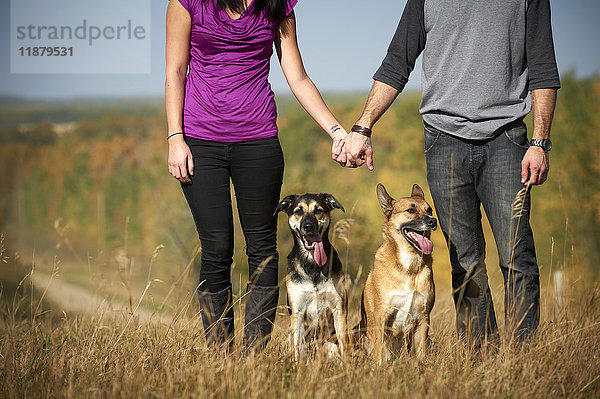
[187, 4]
[406, 46]
[539, 47]
[289, 7]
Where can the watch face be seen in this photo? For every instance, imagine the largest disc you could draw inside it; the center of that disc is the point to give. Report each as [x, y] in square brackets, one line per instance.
[545, 144]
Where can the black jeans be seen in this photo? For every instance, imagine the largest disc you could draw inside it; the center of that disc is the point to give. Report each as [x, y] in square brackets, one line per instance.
[256, 170]
[463, 175]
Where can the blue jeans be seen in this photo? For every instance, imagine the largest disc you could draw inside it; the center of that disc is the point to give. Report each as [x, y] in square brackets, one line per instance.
[462, 176]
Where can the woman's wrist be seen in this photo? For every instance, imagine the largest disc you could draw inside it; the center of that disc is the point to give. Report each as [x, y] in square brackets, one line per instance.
[175, 137]
[175, 133]
[336, 131]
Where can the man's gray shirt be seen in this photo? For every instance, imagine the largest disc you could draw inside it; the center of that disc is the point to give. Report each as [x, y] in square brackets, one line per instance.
[481, 58]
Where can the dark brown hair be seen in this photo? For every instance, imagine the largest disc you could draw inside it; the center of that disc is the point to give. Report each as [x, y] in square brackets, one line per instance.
[274, 8]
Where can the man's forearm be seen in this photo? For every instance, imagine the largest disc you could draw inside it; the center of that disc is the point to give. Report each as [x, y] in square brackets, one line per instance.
[544, 101]
[380, 99]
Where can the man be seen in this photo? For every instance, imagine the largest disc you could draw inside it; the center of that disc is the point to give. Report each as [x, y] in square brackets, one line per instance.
[486, 64]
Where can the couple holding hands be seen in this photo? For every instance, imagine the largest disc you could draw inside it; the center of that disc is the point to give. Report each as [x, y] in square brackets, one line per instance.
[486, 65]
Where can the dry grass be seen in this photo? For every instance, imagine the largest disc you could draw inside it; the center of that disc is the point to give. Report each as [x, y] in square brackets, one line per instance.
[116, 331]
[103, 353]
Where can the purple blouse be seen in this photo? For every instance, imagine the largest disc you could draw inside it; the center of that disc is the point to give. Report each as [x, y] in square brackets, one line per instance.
[228, 97]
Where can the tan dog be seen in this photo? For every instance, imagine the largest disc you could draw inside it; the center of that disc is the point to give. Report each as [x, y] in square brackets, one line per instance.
[399, 292]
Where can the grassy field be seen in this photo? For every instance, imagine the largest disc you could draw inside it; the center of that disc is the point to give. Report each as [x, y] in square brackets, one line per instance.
[58, 341]
[98, 263]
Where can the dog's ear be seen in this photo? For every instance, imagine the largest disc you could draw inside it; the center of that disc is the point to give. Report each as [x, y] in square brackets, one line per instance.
[417, 192]
[386, 202]
[285, 204]
[331, 202]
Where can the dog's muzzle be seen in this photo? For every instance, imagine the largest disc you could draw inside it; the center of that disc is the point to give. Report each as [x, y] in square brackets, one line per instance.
[312, 240]
[418, 233]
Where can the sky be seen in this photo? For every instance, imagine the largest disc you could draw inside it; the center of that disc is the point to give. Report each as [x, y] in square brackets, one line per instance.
[342, 43]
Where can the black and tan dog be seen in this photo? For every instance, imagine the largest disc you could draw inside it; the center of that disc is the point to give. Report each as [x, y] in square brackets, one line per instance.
[399, 292]
[315, 281]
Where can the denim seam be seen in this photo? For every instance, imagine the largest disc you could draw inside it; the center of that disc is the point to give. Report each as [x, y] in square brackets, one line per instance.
[513, 142]
[471, 161]
[482, 292]
[477, 231]
[437, 137]
[477, 223]
[431, 131]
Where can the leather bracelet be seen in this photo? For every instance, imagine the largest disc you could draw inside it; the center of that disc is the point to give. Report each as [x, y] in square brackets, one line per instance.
[365, 131]
[173, 134]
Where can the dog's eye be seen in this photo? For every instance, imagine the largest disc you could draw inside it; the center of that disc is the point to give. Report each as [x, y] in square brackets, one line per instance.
[298, 212]
[318, 212]
[411, 210]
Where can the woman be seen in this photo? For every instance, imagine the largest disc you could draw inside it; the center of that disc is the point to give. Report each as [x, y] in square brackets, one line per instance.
[221, 126]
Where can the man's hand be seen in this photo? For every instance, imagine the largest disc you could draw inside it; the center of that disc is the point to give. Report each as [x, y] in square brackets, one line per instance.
[358, 150]
[181, 161]
[534, 166]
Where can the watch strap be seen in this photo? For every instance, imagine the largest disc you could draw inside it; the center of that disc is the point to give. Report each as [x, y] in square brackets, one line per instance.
[544, 144]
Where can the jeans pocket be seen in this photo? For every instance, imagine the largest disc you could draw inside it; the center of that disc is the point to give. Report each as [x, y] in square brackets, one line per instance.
[518, 136]
[431, 138]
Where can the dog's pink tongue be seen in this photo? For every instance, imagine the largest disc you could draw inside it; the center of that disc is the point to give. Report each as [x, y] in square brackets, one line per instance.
[320, 256]
[425, 244]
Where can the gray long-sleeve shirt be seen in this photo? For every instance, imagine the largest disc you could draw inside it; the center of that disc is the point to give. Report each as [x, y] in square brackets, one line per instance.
[481, 58]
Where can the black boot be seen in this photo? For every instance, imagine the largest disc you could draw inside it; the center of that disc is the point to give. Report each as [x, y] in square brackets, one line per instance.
[217, 316]
[261, 306]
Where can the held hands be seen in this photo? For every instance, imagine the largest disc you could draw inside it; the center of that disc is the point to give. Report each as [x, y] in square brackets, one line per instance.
[356, 151]
[534, 166]
[181, 161]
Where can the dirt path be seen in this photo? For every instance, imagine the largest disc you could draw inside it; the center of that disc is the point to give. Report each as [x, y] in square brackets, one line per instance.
[71, 299]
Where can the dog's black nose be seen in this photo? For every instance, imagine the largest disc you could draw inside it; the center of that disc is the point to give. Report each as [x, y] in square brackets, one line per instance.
[432, 223]
[309, 226]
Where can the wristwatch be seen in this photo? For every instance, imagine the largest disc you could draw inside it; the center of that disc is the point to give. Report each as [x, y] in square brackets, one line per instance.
[545, 144]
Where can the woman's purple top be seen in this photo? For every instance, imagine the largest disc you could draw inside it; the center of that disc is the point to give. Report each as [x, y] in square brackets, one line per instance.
[228, 97]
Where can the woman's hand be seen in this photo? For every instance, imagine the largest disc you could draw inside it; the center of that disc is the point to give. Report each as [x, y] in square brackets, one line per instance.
[338, 151]
[181, 161]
